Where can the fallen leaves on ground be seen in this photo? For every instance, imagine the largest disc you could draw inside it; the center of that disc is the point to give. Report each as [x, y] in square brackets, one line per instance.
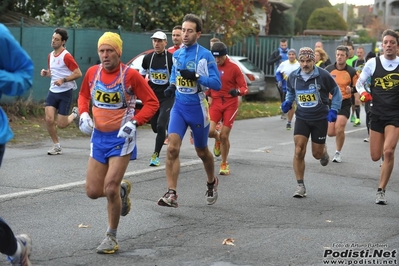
[84, 226]
[228, 241]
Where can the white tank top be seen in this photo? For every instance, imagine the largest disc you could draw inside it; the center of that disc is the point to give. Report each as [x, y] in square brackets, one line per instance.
[60, 70]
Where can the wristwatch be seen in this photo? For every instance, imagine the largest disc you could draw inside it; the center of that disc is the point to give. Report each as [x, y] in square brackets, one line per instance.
[197, 75]
[65, 80]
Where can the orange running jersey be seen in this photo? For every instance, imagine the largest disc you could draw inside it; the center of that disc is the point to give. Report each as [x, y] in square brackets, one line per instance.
[113, 96]
[343, 78]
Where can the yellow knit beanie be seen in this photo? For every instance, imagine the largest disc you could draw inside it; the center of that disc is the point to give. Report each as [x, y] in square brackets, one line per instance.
[112, 39]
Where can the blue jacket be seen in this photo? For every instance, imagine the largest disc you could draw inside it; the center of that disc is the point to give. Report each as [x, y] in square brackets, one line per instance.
[199, 59]
[277, 57]
[16, 75]
[312, 95]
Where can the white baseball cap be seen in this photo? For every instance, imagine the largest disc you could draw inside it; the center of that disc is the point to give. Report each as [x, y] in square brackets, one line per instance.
[159, 35]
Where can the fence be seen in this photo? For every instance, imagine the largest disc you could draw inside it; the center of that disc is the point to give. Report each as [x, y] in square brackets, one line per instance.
[258, 49]
[82, 44]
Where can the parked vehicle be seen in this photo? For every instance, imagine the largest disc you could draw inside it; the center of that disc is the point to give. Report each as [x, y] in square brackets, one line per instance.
[136, 61]
[253, 75]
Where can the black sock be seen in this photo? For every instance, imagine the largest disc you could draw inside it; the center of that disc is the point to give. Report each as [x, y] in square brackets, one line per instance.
[380, 189]
[211, 184]
[300, 182]
[357, 111]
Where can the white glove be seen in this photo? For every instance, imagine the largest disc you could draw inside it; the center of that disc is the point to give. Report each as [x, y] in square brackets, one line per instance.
[128, 130]
[86, 123]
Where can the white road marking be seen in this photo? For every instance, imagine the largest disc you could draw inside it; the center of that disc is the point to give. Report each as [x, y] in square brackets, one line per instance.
[66, 186]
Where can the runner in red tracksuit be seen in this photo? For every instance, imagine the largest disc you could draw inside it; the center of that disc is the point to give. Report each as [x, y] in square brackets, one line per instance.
[225, 103]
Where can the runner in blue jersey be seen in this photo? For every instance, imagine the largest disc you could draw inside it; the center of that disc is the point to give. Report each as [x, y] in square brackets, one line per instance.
[16, 76]
[194, 71]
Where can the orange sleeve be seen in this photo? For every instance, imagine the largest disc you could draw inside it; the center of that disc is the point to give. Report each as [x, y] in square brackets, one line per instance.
[354, 79]
[142, 90]
[84, 93]
[70, 62]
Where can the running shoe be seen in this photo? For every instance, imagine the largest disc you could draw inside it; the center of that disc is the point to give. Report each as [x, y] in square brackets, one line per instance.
[366, 140]
[125, 190]
[108, 246]
[337, 158]
[300, 192]
[288, 126]
[325, 159]
[191, 137]
[357, 122]
[75, 111]
[155, 160]
[216, 148]
[283, 116]
[224, 168]
[212, 192]
[169, 199]
[381, 198]
[26, 248]
[353, 118]
[55, 150]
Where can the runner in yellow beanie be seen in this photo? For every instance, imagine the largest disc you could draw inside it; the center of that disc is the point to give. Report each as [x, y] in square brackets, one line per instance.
[112, 39]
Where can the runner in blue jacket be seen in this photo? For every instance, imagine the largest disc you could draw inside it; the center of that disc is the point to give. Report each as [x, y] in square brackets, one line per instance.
[16, 75]
[194, 71]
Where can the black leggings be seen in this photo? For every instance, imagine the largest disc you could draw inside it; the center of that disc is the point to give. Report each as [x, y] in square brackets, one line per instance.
[367, 108]
[160, 121]
[2, 150]
[8, 243]
[281, 93]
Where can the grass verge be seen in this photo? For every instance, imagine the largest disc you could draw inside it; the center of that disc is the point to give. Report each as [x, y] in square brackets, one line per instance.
[29, 126]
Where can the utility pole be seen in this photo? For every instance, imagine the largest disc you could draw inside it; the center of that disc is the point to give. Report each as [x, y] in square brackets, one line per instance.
[345, 12]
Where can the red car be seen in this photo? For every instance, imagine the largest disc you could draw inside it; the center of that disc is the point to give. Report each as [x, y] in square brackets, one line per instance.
[136, 61]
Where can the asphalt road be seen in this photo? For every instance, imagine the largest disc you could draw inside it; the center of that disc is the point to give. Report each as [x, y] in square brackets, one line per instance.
[44, 196]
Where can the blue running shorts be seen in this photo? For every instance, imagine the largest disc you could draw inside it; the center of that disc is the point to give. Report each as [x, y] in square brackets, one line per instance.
[106, 144]
[195, 115]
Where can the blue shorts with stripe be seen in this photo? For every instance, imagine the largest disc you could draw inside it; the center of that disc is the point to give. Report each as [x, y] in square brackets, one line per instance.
[195, 115]
[106, 144]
